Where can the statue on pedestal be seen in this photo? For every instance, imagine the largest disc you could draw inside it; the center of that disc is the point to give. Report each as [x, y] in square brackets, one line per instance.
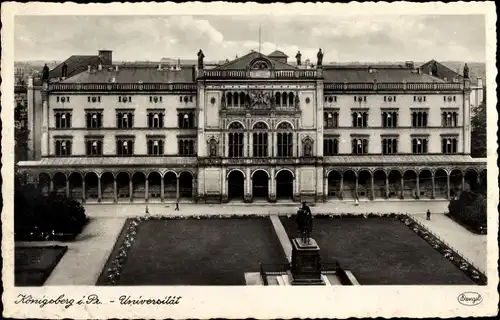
[466, 71]
[298, 57]
[320, 58]
[304, 222]
[64, 70]
[45, 73]
[200, 59]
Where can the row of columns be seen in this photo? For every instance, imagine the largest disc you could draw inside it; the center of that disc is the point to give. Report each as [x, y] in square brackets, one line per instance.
[325, 185]
[131, 189]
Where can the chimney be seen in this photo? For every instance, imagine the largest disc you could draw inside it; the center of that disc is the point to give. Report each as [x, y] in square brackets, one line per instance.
[160, 67]
[116, 68]
[106, 57]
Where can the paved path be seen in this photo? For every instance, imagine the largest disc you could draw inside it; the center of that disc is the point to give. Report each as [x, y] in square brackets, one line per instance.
[133, 209]
[471, 246]
[83, 262]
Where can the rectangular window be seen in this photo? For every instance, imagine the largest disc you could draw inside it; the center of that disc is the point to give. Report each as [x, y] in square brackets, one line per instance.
[449, 145]
[360, 146]
[389, 145]
[62, 119]
[125, 146]
[285, 144]
[331, 119]
[419, 119]
[449, 118]
[93, 119]
[63, 147]
[93, 147]
[155, 146]
[360, 119]
[330, 146]
[185, 119]
[419, 145]
[389, 119]
[125, 119]
[260, 144]
[187, 147]
[155, 119]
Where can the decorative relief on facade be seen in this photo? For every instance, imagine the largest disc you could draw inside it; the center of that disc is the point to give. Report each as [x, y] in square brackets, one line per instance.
[307, 144]
[260, 99]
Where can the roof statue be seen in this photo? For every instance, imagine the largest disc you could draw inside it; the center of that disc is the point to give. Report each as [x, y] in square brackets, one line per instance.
[434, 69]
[298, 56]
[200, 59]
[466, 71]
[320, 58]
[45, 72]
[64, 72]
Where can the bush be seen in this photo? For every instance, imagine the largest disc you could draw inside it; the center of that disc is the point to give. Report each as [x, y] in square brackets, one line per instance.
[470, 210]
[46, 217]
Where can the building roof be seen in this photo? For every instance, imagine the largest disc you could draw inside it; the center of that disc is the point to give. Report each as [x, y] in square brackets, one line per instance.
[134, 74]
[243, 62]
[443, 72]
[76, 64]
[357, 74]
[277, 54]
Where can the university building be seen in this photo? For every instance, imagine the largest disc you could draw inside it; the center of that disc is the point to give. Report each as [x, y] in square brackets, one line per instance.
[258, 128]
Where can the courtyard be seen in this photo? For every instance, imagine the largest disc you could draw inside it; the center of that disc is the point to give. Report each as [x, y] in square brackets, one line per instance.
[198, 251]
[380, 251]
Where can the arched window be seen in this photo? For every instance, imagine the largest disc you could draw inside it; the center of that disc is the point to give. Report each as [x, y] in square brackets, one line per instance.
[389, 146]
[419, 145]
[278, 99]
[331, 119]
[236, 140]
[285, 140]
[359, 119]
[260, 140]
[291, 99]
[229, 99]
[284, 99]
[359, 146]
[330, 146]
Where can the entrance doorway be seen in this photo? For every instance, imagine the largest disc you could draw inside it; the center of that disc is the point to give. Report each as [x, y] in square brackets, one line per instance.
[236, 183]
[284, 185]
[260, 185]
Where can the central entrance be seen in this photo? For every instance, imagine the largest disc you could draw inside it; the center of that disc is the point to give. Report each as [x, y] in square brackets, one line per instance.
[260, 185]
[236, 183]
[284, 185]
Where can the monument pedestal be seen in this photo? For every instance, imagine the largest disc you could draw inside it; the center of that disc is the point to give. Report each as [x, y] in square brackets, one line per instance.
[306, 266]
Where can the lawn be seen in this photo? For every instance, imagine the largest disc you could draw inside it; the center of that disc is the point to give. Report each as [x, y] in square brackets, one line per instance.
[381, 251]
[197, 252]
[33, 265]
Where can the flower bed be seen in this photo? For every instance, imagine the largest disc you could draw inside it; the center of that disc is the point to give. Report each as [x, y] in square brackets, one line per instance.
[471, 271]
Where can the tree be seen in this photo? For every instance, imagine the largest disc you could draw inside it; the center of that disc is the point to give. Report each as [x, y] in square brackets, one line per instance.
[478, 134]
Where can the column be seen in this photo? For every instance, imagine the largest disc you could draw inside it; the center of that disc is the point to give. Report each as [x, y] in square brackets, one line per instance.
[224, 185]
[273, 144]
[373, 185]
[146, 189]
[162, 189]
[248, 186]
[67, 188]
[341, 185]
[448, 184]
[463, 181]
[387, 186]
[45, 126]
[433, 193]
[402, 188]
[356, 189]
[325, 187]
[246, 145]
[115, 190]
[130, 189]
[226, 146]
[177, 196]
[194, 189]
[418, 186]
[51, 184]
[83, 189]
[296, 192]
[99, 194]
[272, 185]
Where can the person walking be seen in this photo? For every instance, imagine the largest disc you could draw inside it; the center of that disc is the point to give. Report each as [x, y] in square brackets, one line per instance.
[176, 206]
[428, 214]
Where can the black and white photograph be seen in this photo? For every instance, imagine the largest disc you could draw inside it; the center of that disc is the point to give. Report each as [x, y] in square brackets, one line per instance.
[176, 160]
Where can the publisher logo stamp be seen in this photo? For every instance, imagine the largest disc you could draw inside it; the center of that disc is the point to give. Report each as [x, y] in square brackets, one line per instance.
[469, 298]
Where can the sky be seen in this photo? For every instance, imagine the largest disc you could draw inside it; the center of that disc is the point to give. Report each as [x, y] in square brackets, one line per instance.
[344, 39]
